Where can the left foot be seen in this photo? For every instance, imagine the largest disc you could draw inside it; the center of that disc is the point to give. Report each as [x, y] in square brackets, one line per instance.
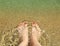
[23, 32]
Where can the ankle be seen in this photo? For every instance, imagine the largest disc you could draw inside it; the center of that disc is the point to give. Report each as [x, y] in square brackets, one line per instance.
[35, 42]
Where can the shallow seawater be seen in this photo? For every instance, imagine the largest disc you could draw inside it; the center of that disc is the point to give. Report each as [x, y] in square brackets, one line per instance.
[45, 13]
[45, 39]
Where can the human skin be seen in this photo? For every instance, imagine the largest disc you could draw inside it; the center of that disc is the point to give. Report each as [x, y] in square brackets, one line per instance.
[35, 34]
[23, 32]
[34, 37]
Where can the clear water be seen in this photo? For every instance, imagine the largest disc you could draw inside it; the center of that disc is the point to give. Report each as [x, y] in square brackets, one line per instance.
[45, 39]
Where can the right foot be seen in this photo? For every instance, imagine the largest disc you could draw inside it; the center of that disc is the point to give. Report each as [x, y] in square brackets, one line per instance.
[36, 33]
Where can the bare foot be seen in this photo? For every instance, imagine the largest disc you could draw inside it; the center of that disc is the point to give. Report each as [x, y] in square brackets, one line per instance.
[36, 33]
[23, 32]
